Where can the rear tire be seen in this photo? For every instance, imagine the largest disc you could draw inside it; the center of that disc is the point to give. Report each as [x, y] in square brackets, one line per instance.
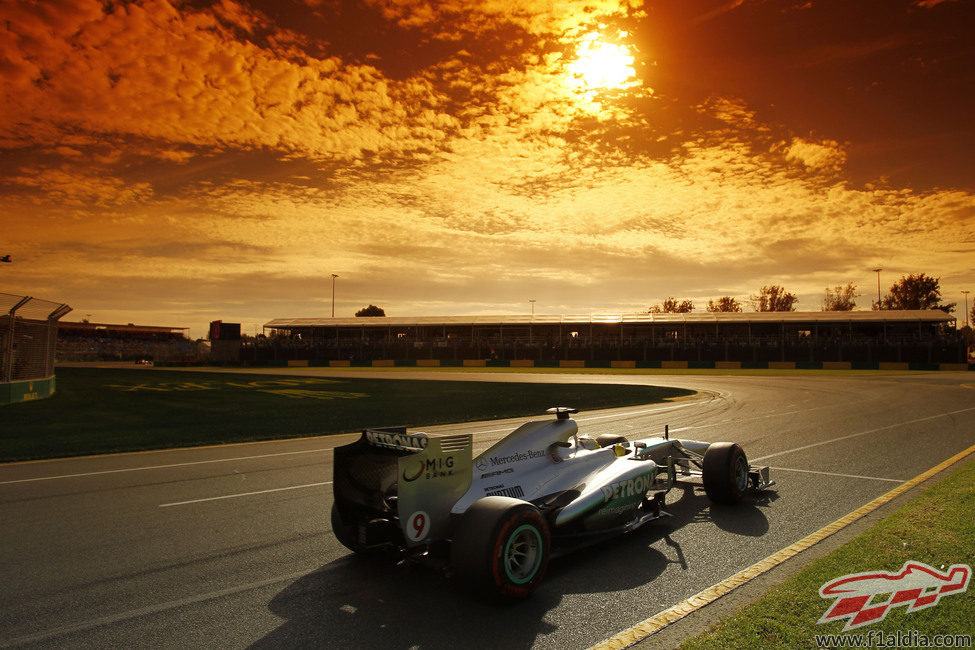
[725, 473]
[501, 547]
[348, 535]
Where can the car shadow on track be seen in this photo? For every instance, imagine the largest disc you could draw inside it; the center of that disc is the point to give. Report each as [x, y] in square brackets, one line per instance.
[744, 518]
[361, 602]
[358, 602]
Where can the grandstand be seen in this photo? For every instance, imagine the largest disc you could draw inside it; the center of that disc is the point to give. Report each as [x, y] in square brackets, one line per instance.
[921, 336]
[86, 341]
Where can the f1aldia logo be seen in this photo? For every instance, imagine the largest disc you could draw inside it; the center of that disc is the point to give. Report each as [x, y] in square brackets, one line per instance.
[916, 586]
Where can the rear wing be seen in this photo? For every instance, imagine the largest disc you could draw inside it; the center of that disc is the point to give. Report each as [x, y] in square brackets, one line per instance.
[411, 478]
[365, 472]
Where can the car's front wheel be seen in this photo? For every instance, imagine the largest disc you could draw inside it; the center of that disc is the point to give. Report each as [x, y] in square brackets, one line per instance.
[501, 547]
[725, 472]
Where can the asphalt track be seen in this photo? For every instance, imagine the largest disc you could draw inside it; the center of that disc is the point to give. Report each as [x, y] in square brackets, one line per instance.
[230, 546]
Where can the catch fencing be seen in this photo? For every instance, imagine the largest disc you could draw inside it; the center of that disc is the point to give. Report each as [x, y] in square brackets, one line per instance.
[28, 340]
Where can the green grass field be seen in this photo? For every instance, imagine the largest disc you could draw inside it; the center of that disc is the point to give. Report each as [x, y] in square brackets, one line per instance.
[100, 410]
[936, 528]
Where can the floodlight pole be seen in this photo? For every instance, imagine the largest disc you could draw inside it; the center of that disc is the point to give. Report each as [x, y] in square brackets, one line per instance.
[333, 294]
[966, 307]
[880, 304]
[530, 337]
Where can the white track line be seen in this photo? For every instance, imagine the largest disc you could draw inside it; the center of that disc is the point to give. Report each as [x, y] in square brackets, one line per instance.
[601, 417]
[243, 494]
[862, 433]
[810, 471]
[139, 469]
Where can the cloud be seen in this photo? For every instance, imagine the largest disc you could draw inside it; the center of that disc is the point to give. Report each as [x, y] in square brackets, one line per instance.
[206, 152]
[724, 8]
[65, 186]
[723, 205]
[842, 52]
[825, 156]
[177, 75]
[561, 17]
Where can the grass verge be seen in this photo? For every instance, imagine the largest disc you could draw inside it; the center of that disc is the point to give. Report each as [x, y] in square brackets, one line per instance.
[99, 410]
[936, 528]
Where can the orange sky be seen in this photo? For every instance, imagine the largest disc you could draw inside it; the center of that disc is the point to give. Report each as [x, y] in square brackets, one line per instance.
[174, 163]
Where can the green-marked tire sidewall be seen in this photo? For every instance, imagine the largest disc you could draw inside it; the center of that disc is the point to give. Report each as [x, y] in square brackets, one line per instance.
[538, 554]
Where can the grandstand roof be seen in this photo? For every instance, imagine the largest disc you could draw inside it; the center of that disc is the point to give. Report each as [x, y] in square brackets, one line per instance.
[833, 317]
[141, 329]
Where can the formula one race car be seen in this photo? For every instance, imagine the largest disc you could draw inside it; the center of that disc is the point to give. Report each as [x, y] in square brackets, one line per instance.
[496, 517]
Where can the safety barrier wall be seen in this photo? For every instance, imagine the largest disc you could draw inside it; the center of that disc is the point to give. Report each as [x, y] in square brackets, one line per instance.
[584, 363]
[24, 391]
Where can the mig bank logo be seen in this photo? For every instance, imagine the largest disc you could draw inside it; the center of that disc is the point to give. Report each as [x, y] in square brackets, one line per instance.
[865, 598]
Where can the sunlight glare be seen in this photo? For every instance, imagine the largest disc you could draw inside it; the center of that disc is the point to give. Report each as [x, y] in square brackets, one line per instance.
[602, 65]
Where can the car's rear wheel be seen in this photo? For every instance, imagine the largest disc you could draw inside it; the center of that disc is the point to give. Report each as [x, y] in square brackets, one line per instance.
[501, 547]
[348, 536]
[725, 472]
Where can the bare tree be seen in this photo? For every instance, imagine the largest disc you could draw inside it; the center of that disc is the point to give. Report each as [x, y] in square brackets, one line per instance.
[916, 291]
[724, 303]
[671, 306]
[774, 298]
[841, 298]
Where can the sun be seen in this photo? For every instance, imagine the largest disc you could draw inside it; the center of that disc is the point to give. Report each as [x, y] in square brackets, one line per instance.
[602, 65]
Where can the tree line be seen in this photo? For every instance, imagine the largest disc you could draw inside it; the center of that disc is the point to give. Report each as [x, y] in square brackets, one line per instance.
[914, 291]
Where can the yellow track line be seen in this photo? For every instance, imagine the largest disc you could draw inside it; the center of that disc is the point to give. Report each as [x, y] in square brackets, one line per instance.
[655, 623]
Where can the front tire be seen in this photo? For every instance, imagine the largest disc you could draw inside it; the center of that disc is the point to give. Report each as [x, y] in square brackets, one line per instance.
[501, 547]
[725, 473]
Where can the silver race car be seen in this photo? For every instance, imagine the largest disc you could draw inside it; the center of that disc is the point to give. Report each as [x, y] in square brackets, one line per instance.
[495, 518]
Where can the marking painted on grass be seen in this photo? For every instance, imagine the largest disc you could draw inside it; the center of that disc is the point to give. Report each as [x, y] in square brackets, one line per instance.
[243, 494]
[182, 386]
[146, 611]
[862, 433]
[810, 471]
[659, 621]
